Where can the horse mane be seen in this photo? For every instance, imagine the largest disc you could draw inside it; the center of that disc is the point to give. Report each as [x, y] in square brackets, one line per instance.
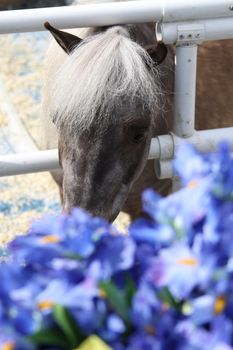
[106, 71]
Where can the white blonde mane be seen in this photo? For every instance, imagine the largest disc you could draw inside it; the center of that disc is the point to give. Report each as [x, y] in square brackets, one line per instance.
[105, 71]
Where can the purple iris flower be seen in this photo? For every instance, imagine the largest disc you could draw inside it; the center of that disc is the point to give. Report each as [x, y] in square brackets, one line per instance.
[222, 171]
[146, 307]
[150, 202]
[202, 309]
[72, 296]
[82, 235]
[114, 253]
[55, 237]
[177, 268]
[195, 338]
[147, 231]
[173, 218]
[189, 164]
[9, 339]
[112, 329]
[168, 285]
[144, 341]
[35, 249]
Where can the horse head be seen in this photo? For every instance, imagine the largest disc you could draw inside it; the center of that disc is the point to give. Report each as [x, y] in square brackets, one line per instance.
[104, 104]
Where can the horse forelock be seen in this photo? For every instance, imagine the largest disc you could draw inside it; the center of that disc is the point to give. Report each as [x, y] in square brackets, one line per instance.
[106, 71]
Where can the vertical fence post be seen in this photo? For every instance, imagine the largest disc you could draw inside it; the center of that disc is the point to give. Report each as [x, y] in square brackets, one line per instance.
[185, 95]
[185, 90]
[187, 38]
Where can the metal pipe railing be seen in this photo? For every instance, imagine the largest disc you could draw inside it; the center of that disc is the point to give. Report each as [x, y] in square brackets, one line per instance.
[177, 25]
[203, 30]
[162, 147]
[113, 13]
[185, 90]
[164, 169]
[25, 163]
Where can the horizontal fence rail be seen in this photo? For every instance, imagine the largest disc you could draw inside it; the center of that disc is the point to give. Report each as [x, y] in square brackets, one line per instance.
[183, 23]
[207, 30]
[25, 163]
[104, 14]
[162, 148]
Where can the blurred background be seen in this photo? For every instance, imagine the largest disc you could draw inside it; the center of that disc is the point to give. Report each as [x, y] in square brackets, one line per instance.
[22, 56]
[19, 4]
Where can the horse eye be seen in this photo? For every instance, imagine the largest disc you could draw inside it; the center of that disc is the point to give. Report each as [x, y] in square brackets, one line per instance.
[140, 135]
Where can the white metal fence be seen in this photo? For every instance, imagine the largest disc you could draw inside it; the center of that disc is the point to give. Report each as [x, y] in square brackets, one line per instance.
[183, 23]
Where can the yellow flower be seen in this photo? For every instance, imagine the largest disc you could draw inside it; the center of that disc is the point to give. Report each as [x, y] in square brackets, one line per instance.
[94, 343]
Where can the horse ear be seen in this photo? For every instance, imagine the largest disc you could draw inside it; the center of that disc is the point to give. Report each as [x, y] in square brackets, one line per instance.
[66, 40]
[157, 52]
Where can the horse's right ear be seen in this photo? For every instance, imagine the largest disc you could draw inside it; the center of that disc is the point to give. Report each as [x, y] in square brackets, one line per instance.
[157, 52]
[67, 41]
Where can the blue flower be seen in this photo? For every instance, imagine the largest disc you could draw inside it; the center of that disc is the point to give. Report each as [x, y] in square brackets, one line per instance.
[141, 341]
[145, 307]
[150, 202]
[195, 338]
[114, 253]
[147, 231]
[82, 233]
[113, 328]
[222, 171]
[9, 340]
[173, 218]
[189, 165]
[168, 285]
[177, 268]
[206, 309]
[83, 301]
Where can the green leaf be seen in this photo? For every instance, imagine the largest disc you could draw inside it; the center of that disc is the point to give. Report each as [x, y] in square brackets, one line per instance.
[166, 296]
[130, 290]
[68, 325]
[116, 299]
[94, 343]
[49, 337]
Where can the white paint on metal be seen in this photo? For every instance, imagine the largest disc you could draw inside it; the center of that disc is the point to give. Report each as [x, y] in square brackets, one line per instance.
[185, 90]
[24, 163]
[113, 13]
[164, 147]
[163, 168]
[190, 23]
[195, 32]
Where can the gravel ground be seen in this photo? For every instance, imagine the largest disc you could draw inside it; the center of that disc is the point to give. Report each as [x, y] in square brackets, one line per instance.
[24, 197]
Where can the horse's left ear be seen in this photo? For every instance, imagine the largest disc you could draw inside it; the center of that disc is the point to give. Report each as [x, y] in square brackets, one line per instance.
[157, 52]
[66, 40]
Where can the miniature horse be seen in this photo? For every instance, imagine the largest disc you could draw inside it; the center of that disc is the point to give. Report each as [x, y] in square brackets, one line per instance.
[108, 91]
